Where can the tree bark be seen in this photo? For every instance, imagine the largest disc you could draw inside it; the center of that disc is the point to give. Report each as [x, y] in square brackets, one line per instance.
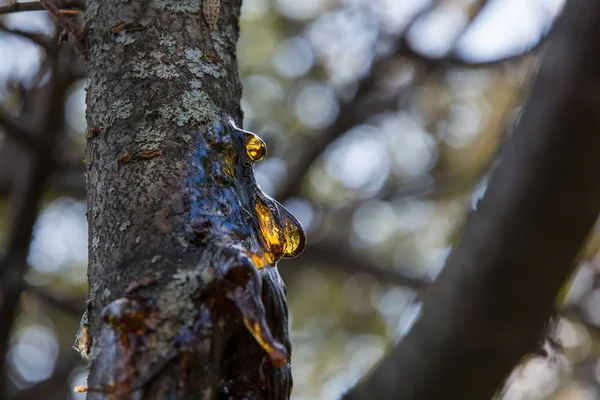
[184, 298]
[492, 303]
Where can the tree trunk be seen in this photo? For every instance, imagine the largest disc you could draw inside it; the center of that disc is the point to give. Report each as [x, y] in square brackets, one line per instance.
[492, 303]
[184, 299]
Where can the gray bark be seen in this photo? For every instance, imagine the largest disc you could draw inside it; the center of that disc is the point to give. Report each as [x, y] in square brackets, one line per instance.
[179, 268]
[492, 303]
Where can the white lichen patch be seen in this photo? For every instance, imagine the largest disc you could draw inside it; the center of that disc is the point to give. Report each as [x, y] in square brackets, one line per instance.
[194, 61]
[150, 139]
[152, 64]
[123, 227]
[165, 71]
[176, 304]
[221, 40]
[207, 275]
[199, 66]
[182, 241]
[182, 276]
[125, 38]
[178, 6]
[213, 70]
[120, 109]
[196, 107]
[95, 242]
[169, 42]
[143, 69]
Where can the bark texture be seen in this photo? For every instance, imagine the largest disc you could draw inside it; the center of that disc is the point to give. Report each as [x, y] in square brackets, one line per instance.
[184, 298]
[492, 303]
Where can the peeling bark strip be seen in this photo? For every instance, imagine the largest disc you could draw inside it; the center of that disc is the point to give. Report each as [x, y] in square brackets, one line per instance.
[211, 10]
[184, 298]
[491, 304]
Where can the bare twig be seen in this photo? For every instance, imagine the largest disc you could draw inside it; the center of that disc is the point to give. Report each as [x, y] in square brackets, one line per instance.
[63, 21]
[15, 6]
[37, 38]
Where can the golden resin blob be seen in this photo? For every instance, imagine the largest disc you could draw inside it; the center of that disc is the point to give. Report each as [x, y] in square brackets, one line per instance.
[256, 149]
[126, 313]
[282, 233]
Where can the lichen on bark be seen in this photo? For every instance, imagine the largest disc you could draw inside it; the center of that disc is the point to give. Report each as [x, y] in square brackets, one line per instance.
[184, 299]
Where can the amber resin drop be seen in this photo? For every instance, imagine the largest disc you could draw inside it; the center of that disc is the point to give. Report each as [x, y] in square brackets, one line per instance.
[295, 237]
[126, 313]
[282, 233]
[256, 149]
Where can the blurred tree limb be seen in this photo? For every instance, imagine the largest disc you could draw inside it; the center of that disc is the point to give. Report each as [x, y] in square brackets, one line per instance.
[14, 6]
[70, 305]
[67, 177]
[27, 190]
[492, 303]
[341, 256]
[27, 161]
[364, 105]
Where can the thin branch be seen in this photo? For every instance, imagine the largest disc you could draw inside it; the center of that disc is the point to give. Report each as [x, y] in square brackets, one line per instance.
[70, 305]
[343, 258]
[39, 39]
[13, 7]
[64, 21]
[492, 303]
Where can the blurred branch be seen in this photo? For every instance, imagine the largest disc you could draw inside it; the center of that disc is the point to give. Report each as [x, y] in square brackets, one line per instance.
[15, 132]
[70, 305]
[26, 194]
[67, 178]
[452, 60]
[37, 38]
[350, 114]
[63, 21]
[492, 303]
[343, 258]
[362, 107]
[14, 6]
